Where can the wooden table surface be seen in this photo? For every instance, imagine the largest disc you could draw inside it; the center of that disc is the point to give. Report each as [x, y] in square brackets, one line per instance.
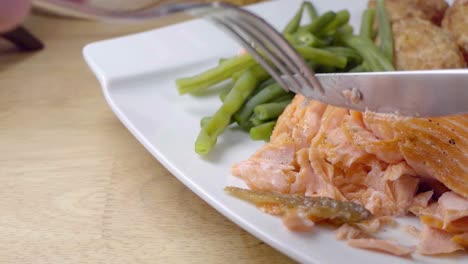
[75, 186]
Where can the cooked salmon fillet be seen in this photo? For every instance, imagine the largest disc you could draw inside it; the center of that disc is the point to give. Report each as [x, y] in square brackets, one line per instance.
[387, 246]
[436, 242]
[432, 147]
[377, 160]
[346, 232]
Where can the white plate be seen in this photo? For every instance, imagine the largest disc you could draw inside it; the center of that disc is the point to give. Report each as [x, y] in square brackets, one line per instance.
[137, 75]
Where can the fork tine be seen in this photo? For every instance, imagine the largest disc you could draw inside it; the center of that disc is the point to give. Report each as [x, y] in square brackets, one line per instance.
[283, 47]
[294, 84]
[292, 69]
[247, 45]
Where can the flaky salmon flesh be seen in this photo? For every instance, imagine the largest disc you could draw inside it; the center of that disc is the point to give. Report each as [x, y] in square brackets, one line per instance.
[392, 165]
[377, 160]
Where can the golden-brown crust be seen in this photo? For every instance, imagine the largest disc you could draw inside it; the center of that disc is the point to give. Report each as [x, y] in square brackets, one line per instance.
[456, 22]
[432, 10]
[420, 44]
[434, 147]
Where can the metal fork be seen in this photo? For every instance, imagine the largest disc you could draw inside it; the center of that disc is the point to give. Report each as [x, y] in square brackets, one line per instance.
[266, 45]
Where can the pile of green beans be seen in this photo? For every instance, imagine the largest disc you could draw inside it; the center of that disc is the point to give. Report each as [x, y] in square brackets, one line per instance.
[327, 43]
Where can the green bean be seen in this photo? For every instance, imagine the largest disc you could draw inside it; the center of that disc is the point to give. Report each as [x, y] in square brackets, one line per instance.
[214, 75]
[207, 119]
[341, 18]
[315, 55]
[270, 110]
[257, 70]
[260, 73]
[204, 121]
[255, 91]
[224, 93]
[374, 33]
[259, 87]
[295, 22]
[263, 131]
[266, 95]
[285, 97]
[254, 121]
[325, 69]
[319, 23]
[290, 38]
[349, 53]
[209, 133]
[310, 10]
[312, 65]
[322, 57]
[360, 68]
[309, 40]
[220, 61]
[346, 29]
[374, 58]
[266, 83]
[385, 31]
[367, 24]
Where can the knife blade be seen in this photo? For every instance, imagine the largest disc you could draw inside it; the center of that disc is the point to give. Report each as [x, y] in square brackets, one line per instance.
[407, 93]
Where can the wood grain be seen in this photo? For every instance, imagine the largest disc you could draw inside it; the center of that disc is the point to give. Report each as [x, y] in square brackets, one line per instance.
[75, 186]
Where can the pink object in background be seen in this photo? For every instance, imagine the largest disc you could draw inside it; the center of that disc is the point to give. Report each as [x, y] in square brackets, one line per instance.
[12, 13]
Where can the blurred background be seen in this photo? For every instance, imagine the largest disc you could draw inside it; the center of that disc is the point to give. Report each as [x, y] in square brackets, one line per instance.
[81, 9]
[117, 5]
